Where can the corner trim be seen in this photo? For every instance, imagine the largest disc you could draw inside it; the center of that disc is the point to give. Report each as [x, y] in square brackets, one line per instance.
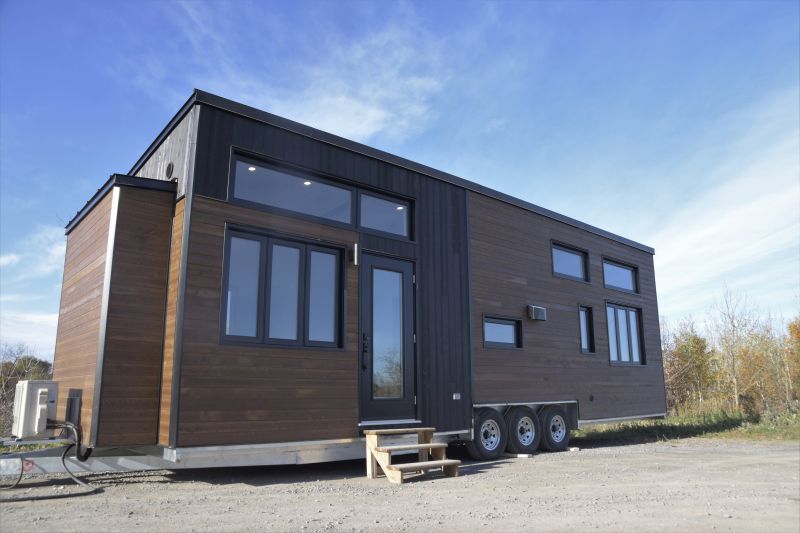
[101, 340]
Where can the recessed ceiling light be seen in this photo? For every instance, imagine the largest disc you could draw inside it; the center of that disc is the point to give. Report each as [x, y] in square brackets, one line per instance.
[400, 207]
[306, 183]
[251, 169]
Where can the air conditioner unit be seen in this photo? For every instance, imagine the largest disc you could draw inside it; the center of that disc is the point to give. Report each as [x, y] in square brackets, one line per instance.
[34, 404]
[537, 313]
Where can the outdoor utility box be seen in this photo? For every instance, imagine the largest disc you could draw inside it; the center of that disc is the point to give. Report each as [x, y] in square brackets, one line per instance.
[34, 404]
[536, 312]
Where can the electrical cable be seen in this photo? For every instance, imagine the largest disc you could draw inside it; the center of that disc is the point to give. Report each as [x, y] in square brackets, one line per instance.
[79, 455]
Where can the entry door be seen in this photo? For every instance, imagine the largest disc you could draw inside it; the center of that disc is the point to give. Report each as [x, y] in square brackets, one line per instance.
[387, 339]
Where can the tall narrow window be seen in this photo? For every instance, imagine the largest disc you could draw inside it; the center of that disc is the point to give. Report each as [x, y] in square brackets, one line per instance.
[569, 263]
[624, 335]
[284, 292]
[243, 287]
[587, 329]
[323, 286]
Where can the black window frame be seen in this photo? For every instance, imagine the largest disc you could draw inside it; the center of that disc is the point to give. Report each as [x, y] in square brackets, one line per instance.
[591, 349]
[640, 335]
[409, 219]
[494, 319]
[267, 241]
[573, 250]
[355, 190]
[621, 264]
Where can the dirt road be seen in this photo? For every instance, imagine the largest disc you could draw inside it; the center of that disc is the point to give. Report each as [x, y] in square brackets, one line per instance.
[689, 485]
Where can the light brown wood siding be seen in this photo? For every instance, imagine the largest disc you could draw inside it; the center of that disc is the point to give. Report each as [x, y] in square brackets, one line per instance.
[173, 285]
[237, 394]
[131, 373]
[79, 315]
[511, 268]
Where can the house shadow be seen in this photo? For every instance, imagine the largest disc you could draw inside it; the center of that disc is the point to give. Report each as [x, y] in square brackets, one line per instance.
[628, 434]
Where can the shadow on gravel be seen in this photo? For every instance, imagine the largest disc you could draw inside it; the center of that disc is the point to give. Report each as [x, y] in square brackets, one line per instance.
[655, 431]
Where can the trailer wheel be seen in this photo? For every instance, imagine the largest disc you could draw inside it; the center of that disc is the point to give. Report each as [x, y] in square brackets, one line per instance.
[555, 429]
[524, 430]
[489, 436]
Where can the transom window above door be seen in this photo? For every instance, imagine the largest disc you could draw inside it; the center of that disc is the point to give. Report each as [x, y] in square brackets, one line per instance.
[294, 192]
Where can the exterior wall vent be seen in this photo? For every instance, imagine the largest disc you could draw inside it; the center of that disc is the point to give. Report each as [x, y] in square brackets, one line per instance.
[537, 313]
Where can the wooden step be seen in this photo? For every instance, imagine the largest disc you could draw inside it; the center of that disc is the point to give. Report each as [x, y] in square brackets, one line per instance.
[405, 447]
[398, 431]
[425, 465]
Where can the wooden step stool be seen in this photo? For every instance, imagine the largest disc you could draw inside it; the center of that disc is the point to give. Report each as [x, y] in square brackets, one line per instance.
[431, 454]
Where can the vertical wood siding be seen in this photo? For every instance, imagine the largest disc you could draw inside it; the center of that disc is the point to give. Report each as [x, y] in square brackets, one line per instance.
[131, 373]
[79, 315]
[511, 268]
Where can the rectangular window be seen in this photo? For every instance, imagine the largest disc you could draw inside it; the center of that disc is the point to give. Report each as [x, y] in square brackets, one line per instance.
[295, 287]
[308, 195]
[502, 332]
[241, 298]
[570, 263]
[619, 276]
[624, 338]
[381, 214]
[587, 329]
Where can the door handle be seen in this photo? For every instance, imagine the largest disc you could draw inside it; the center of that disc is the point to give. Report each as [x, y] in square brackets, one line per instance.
[364, 350]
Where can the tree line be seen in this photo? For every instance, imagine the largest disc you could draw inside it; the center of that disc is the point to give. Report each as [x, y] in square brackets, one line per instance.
[739, 362]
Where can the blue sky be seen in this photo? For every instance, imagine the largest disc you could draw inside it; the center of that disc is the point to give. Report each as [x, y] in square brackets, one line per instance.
[676, 124]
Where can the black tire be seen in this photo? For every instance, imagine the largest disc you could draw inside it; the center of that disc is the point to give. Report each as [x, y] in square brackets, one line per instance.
[489, 436]
[524, 430]
[555, 429]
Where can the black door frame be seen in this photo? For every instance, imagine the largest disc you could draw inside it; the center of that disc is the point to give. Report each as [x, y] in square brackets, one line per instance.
[386, 409]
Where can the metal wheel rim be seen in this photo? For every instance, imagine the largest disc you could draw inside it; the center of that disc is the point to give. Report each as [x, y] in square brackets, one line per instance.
[558, 429]
[526, 431]
[490, 435]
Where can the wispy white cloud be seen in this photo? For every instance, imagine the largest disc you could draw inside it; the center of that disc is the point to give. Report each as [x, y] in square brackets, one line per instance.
[744, 231]
[8, 259]
[381, 83]
[41, 254]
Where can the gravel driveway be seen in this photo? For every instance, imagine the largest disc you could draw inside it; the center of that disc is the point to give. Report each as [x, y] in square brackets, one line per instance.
[688, 485]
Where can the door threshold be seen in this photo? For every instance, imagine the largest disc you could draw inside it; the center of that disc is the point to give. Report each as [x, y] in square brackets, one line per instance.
[388, 422]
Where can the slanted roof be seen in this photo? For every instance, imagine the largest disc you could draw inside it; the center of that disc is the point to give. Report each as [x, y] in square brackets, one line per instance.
[212, 100]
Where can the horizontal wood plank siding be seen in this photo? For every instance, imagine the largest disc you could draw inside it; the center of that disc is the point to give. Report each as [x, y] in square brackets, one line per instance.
[75, 359]
[173, 285]
[512, 268]
[239, 394]
[131, 380]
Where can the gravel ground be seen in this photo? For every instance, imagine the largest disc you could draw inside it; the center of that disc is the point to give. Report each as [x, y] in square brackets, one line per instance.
[689, 485]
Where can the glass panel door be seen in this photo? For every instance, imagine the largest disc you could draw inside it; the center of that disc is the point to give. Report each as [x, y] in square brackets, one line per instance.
[387, 346]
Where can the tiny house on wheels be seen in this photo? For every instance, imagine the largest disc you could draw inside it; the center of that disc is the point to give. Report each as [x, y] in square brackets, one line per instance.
[257, 291]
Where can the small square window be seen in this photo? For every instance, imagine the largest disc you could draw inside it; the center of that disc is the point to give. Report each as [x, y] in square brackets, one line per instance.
[502, 332]
[619, 276]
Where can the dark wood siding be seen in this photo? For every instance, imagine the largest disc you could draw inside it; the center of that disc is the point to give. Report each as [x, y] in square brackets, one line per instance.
[511, 268]
[173, 284]
[79, 315]
[131, 373]
[236, 394]
[441, 248]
